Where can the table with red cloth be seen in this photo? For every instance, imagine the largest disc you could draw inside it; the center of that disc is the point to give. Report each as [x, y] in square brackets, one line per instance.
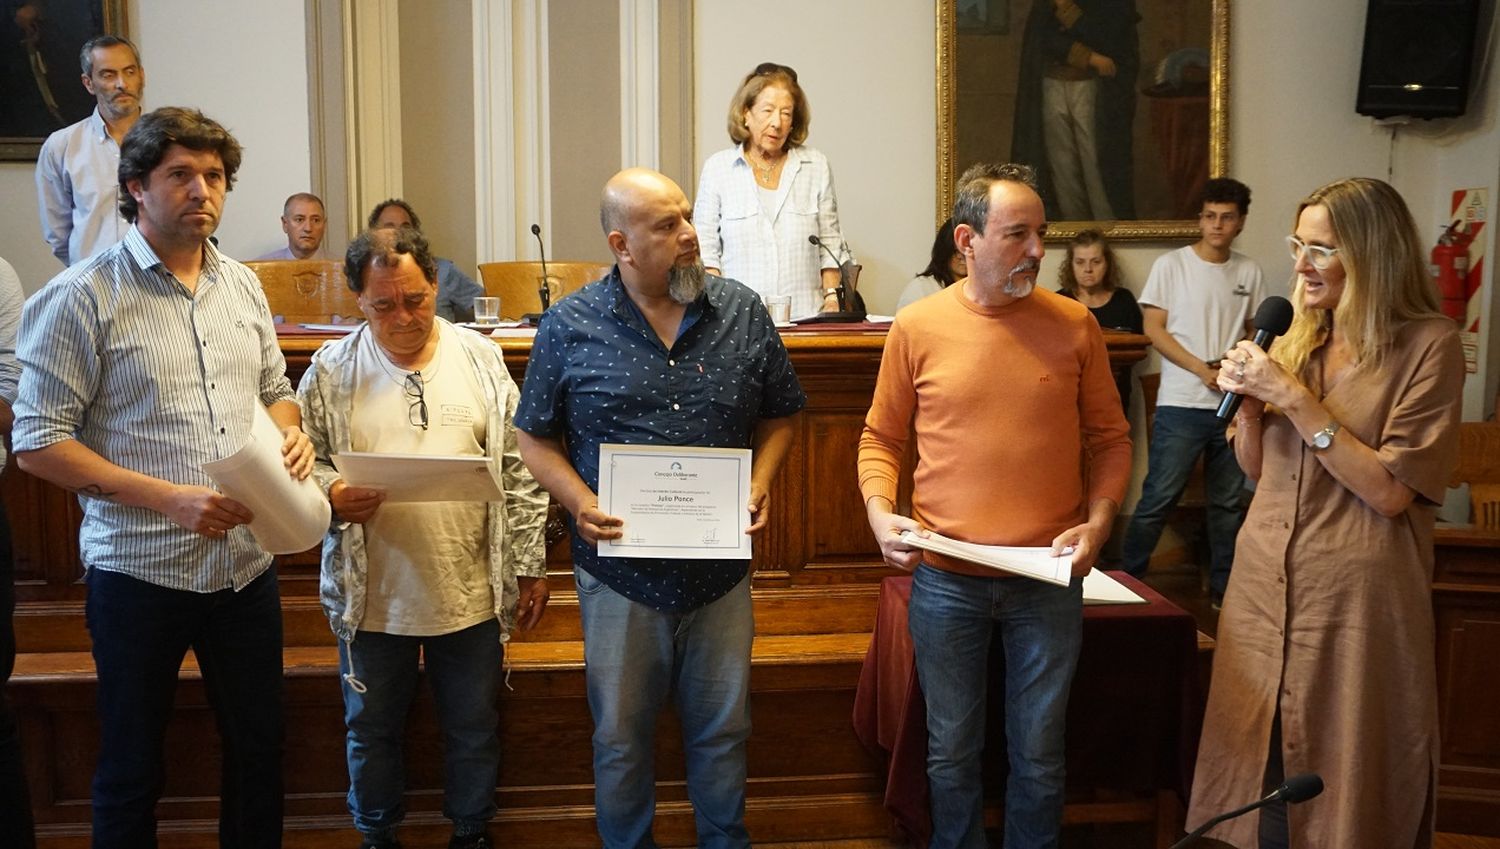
[1134, 712]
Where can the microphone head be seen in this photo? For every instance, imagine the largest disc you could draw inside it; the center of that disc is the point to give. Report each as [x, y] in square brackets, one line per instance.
[536, 230]
[1300, 788]
[1274, 315]
[814, 240]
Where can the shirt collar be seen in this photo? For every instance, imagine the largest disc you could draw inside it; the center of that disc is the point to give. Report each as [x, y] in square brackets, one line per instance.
[97, 128]
[146, 258]
[711, 300]
[797, 154]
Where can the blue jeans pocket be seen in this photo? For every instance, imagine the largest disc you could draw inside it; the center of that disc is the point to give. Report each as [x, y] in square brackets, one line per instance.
[587, 584]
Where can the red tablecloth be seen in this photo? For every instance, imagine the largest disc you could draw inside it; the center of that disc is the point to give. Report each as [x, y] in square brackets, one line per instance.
[1133, 715]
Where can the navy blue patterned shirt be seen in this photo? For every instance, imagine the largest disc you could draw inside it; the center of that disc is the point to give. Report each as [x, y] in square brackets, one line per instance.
[599, 373]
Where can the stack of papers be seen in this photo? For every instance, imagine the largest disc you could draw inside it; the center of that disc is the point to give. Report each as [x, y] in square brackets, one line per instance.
[1037, 563]
[1031, 562]
[420, 477]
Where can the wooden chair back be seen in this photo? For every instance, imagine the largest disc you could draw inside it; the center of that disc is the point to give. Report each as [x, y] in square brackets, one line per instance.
[516, 283]
[310, 291]
[1479, 467]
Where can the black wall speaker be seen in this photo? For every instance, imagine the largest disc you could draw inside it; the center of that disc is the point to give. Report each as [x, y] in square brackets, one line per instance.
[1417, 59]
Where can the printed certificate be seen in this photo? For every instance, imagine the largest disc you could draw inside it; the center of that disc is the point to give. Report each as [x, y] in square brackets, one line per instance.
[676, 501]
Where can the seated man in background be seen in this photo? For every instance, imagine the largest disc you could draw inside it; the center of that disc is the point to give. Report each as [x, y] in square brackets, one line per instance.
[443, 580]
[455, 290]
[303, 222]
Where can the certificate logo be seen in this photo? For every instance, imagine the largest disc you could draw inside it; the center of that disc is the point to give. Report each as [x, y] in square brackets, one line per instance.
[711, 536]
[675, 472]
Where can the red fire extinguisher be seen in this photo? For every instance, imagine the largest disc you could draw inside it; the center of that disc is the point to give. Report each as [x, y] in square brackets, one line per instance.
[1450, 270]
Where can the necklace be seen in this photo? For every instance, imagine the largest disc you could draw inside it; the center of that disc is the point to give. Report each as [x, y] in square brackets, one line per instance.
[762, 172]
[399, 375]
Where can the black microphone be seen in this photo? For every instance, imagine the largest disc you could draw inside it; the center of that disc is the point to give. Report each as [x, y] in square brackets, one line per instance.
[1298, 788]
[544, 287]
[1272, 318]
[846, 314]
[813, 239]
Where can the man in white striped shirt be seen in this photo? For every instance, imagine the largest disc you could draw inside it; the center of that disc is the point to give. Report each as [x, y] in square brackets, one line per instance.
[138, 366]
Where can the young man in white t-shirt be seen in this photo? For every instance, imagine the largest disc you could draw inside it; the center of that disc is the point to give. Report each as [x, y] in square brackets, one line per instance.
[1198, 301]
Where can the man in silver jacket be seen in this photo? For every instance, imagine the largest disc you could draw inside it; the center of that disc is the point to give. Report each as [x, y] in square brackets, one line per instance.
[446, 581]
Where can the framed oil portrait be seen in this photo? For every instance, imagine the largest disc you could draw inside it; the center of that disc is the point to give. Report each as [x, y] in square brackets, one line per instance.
[40, 91]
[1121, 106]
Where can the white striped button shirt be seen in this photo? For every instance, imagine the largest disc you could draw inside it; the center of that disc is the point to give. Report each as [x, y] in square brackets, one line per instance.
[118, 354]
[770, 254]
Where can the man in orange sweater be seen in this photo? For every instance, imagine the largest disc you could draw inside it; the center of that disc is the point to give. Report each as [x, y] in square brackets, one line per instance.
[1020, 441]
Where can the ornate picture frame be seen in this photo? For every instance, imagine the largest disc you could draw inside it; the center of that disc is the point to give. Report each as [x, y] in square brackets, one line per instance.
[993, 88]
[40, 90]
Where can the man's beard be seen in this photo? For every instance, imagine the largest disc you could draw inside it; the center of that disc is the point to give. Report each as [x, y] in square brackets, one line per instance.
[1020, 288]
[685, 282]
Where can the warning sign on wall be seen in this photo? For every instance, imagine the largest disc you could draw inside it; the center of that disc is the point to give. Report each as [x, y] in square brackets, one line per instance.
[1469, 214]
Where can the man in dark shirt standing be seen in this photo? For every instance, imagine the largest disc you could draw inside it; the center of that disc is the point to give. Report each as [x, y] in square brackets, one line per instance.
[659, 353]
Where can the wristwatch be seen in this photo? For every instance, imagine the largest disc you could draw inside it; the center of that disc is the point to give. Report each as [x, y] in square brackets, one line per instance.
[1323, 439]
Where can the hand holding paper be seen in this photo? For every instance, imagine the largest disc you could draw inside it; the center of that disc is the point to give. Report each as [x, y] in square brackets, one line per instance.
[289, 515]
[1031, 562]
[354, 503]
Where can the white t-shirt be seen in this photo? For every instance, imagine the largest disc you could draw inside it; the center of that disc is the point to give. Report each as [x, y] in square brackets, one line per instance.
[1207, 306]
[427, 562]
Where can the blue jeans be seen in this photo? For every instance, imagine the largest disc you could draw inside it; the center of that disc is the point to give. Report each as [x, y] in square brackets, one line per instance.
[464, 669]
[140, 633]
[952, 618]
[1179, 436]
[635, 656]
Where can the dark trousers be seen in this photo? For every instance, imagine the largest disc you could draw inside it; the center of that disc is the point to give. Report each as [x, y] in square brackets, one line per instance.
[141, 633]
[15, 803]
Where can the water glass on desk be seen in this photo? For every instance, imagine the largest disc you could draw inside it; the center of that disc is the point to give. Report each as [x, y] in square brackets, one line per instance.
[486, 310]
[780, 308]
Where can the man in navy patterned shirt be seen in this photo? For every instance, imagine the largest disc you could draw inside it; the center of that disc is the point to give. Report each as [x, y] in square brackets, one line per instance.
[659, 353]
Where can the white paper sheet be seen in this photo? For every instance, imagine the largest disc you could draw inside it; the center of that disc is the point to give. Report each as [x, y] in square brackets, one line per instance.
[1030, 562]
[513, 330]
[676, 501]
[333, 328]
[1099, 588]
[290, 515]
[414, 477]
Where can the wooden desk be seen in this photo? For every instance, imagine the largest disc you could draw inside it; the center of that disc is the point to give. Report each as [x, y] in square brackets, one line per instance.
[818, 533]
[1466, 607]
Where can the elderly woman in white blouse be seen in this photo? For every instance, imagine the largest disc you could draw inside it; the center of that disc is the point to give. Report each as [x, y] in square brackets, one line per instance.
[759, 201]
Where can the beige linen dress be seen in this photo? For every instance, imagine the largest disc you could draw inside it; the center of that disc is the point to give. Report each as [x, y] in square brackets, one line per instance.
[1328, 616]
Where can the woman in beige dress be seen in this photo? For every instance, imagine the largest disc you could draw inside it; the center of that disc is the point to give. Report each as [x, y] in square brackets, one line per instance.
[1325, 658]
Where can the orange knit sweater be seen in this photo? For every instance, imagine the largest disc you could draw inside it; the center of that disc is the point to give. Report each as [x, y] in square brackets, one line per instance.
[1015, 413]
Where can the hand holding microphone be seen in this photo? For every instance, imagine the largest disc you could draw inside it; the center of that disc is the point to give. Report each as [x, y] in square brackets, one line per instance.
[1273, 318]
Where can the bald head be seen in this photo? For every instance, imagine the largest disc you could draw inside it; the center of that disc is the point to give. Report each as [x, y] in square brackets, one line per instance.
[648, 223]
[629, 191]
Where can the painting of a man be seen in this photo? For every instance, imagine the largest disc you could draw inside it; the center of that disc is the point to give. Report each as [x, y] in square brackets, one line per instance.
[39, 90]
[1080, 62]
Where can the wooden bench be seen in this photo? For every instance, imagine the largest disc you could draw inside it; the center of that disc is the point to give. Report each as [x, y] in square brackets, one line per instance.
[808, 775]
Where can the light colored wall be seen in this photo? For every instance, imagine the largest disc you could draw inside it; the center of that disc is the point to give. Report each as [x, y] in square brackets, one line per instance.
[245, 66]
[254, 83]
[20, 227]
[583, 37]
[437, 126]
